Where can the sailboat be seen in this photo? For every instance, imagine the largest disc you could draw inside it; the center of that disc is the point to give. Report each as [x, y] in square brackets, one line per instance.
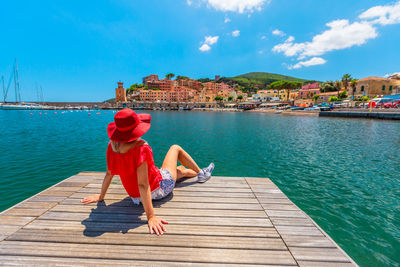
[18, 104]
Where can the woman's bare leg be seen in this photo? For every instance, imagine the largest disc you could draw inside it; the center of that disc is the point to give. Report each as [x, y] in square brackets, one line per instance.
[175, 154]
[182, 172]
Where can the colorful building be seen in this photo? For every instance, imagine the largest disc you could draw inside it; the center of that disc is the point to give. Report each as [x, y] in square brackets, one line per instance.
[120, 93]
[376, 86]
[309, 90]
[190, 83]
[164, 84]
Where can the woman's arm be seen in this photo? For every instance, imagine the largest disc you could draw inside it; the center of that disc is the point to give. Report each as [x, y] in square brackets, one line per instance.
[100, 197]
[155, 223]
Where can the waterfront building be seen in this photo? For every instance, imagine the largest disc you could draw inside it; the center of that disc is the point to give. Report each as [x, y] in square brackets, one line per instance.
[266, 95]
[376, 86]
[164, 84]
[190, 83]
[309, 90]
[324, 97]
[120, 93]
[150, 78]
[153, 95]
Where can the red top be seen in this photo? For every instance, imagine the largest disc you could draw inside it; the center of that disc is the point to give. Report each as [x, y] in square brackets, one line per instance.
[125, 165]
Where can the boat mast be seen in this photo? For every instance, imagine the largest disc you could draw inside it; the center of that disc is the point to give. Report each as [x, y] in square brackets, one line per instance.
[41, 94]
[4, 89]
[17, 88]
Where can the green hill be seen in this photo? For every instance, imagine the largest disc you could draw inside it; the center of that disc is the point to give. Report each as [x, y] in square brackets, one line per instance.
[249, 81]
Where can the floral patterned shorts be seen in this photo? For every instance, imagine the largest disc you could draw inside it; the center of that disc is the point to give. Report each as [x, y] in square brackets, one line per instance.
[167, 184]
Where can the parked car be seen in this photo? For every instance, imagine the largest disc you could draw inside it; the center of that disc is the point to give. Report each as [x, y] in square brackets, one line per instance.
[392, 104]
[382, 102]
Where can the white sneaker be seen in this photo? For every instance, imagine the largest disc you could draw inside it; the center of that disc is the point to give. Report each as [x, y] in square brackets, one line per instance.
[205, 174]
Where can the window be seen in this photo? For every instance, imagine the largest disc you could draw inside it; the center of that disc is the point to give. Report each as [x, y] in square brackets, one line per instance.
[362, 88]
[390, 88]
[383, 88]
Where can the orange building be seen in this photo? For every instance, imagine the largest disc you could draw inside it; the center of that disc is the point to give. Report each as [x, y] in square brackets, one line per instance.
[120, 93]
[150, 78]
[163, 84]
[190, 83]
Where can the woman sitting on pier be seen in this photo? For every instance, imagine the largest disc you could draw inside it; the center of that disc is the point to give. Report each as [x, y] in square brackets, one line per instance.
[132, 159]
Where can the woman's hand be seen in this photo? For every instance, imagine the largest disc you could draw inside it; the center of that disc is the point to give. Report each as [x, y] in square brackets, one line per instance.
[156, 225]
[91, 199]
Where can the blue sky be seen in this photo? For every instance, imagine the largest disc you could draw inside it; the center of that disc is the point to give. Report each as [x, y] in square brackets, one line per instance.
[78, 50]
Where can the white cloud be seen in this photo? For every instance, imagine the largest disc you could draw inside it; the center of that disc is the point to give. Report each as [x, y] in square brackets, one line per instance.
[239, 6]
[307, 63]
[189, 2]
[391, 74]
[340, 35]
[384, 15]
[227, 20]
[236, 33]
[204, 48]
[290, 39]
[208, 42]
[263, 37]
[278, 32]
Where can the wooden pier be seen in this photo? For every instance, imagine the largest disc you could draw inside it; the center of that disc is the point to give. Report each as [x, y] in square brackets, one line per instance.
[227, 221]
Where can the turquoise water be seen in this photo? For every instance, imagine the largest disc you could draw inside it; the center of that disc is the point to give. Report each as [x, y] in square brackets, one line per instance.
[343, 172]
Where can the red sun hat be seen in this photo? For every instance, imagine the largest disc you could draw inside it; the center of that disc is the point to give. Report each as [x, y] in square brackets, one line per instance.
[128, 126]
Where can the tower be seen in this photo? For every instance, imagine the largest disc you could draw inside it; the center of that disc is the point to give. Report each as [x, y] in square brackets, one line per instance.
[120, 93]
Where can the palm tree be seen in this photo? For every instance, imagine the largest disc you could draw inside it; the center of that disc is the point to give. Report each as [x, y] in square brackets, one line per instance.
[169, 76]
[353, 85]
[337, 85]
[346, 79]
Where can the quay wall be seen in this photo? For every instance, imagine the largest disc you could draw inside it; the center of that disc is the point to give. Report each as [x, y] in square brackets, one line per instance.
[366, 115]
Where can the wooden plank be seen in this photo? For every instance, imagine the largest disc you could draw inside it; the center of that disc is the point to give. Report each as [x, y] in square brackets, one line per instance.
[181, 254]
[90, 191]
[35, 205]
[280, 207]
[187, 220]
[72, 184]
[57, 193]
[324, 264]
[291, 221]
[94, 228]
[270, 195]
[61, 261]
[150, 240]
[25, 212]
[298, 230]
[258, 180]
[15, 220]
[308, 241]
[267, 200]
[161, 211]
[170, 204]
[63, 189]
[47, 199]
[318, 254]
[286, 213]
[180, 198]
